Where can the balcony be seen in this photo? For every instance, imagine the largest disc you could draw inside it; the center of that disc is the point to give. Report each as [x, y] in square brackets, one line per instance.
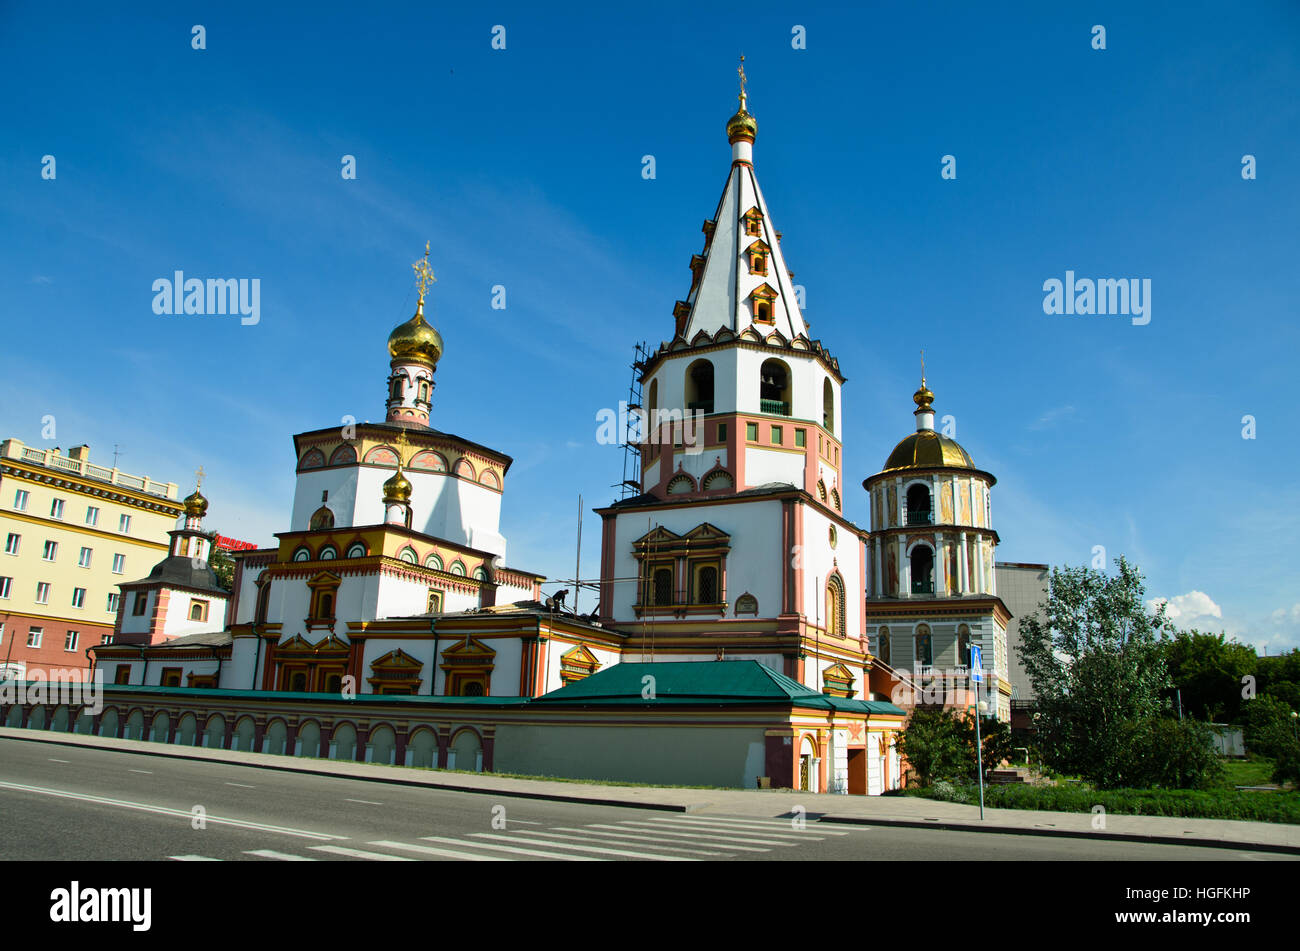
[918, 517]
[922, 587]
[700, 406]
[774, 407]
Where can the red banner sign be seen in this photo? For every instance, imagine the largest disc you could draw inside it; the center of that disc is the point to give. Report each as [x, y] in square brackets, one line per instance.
[234, 544]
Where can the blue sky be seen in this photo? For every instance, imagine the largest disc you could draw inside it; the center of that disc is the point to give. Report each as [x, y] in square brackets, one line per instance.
[523, 166]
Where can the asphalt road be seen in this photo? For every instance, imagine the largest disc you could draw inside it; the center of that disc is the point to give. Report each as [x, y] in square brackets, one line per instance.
[80, 804]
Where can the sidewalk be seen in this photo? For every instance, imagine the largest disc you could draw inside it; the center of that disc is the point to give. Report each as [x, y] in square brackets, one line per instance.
[896, 811]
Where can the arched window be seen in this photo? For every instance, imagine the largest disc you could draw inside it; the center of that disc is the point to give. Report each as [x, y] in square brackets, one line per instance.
[764, 311]
[663, 586]
[398, 384]
[434, 562]
[408, 555]
[357, 551]
[328, 553]
[828, 405]
[835, 606]
[708, 586]
[302, 554]
[882, 649]
[922, 563]
[680, 484]
[924, 647]
[327, 605]
[774, 388]
[699, 387]
[458, 568]
[263, 601]
[963, 646]
[322, 519]
[480, 574]
[918, 505]
[424, 391]
[835, 498]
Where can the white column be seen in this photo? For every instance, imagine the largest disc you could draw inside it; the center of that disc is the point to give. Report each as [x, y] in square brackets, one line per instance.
[940, 570]
[962, 573]
[877, 590]
[904, 569]
[979, 563]
[900, 514]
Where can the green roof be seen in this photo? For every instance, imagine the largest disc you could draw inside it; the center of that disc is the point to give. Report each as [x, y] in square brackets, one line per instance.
[722, 681]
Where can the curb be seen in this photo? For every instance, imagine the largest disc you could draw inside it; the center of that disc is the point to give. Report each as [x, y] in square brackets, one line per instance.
[1148, 838]
[393, 780]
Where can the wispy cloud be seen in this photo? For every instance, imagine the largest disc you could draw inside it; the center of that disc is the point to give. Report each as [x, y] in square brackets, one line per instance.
[1052, 417]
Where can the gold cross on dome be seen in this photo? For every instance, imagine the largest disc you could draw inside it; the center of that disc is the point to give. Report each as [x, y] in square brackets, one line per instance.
[198, 477]
[423, 273]
[741, 71]
[923, 368]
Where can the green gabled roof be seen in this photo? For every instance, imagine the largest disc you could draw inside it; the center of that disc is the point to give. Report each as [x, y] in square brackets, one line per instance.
[725, 681]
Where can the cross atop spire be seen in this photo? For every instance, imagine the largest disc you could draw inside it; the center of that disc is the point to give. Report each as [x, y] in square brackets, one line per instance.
[423, 273]
[923, 368]
[198, 477]
[741, 70]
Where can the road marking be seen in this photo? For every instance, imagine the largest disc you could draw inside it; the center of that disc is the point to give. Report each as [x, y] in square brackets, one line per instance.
[359, 853]
[282, 856]
[690, 824]
[185, 814]
[53, 760]
[364, 802]
[192, 858]
[147, 772]
[599, 850]
[241, 785]
[445, 853]
[644, 837]
[608, 838]
[516, 851]
[731, 846]
[726, 836]
[526, 822]
[773, 824]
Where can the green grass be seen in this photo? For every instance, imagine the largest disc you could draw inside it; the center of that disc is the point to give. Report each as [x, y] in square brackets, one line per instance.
[1283, 807]
[1253, 771]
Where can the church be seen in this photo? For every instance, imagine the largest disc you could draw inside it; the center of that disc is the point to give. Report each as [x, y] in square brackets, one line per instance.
[747, 632]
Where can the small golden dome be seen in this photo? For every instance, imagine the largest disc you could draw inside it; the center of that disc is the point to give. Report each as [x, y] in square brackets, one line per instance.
[923, 399]
[196, 506]
[927, 449]
[397, 489]
[742, 126]
[416, 341]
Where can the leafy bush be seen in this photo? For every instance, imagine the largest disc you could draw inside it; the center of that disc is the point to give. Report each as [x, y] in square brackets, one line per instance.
[1268, 725]
[1173, 754]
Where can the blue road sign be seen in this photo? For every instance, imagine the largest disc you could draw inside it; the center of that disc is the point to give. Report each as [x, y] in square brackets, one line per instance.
[976, 664]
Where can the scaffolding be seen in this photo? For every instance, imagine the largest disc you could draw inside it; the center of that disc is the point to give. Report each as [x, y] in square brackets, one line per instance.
[632, 432]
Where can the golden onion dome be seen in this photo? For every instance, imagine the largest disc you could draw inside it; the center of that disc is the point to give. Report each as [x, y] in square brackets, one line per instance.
[742, 126]
[923, 399]
[926, 449]
[196, 506]
[397, 489]
[415, 341]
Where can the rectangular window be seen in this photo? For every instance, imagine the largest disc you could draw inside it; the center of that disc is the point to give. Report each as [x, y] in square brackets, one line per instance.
[108, 639]
[123, 674]
[112, 603]
[777, 435]
[92, 515]
[70, 642]
[119, 564]
[34, 636]
[722, 432]
[56, 508]
[141, 602]
[51, 551]
[83, 560]
[198, 610]
[435, 601]
[5, 585]
[171, 677]
[20, 500]
[42, 592]
[124, 524]
[12, 543]
[751, 432]
[801, 437]
[78, 597]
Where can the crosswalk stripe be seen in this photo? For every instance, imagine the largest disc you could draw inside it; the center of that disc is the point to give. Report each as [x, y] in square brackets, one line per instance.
[687, 824]
[725, 837]
[609, 839]
[192, 858]
[731, 845]
[359, 853]
[443, 852]
[599, 850]
[758, 824]
[282, 856]
[516, 851]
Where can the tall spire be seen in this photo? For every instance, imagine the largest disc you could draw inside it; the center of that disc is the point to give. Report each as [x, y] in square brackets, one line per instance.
[923, 399]
[742, 127]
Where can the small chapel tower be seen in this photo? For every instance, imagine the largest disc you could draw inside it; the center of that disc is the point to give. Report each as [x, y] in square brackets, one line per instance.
[415, 348]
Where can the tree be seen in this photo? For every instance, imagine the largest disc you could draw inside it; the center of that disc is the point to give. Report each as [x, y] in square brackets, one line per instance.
[934, 747]
[1208, 670]
[1268, 725]
[223, 566]
[995, 739]
[1095, 659]
[1173, 754]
